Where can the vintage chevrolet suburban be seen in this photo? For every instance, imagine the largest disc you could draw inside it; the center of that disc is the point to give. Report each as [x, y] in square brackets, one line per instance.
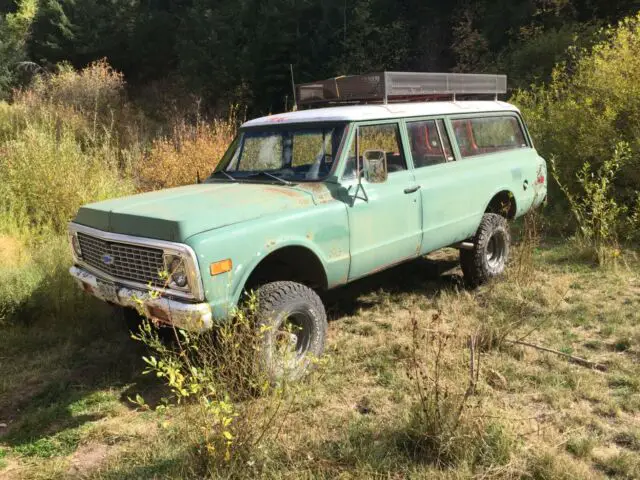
[314, 199]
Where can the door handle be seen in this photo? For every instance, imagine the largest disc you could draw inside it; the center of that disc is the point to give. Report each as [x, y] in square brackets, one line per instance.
[412, 189]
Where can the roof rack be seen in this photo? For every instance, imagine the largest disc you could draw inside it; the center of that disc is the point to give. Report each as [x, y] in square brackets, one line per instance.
[386, 87]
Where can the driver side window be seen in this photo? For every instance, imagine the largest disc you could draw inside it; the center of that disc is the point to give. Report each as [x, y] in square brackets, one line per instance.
[384, 137]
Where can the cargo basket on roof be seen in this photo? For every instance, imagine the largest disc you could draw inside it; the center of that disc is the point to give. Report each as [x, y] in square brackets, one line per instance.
[385, 87]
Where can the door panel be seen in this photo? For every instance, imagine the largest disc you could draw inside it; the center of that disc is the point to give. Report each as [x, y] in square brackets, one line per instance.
[454, 194]
[384, 221]
[444, 194]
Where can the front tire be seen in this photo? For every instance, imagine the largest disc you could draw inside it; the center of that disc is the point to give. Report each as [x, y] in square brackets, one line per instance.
[490, 253]
[294, 324]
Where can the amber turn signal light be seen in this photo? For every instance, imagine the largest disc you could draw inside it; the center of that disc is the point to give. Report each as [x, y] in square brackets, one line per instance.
[223, 266]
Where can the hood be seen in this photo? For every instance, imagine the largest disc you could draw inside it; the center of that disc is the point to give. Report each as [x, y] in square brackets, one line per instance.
[178, 213]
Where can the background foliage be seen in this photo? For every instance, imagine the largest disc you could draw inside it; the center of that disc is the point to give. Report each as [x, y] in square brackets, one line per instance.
[229, 51]
[589, 113]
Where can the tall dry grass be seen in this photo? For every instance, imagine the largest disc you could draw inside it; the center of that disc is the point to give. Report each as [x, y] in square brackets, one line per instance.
[190, 151]
[71, 138]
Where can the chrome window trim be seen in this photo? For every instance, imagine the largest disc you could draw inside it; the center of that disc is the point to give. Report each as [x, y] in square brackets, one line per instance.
[168, 248]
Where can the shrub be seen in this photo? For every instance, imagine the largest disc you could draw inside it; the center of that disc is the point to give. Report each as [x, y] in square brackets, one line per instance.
[97, 90]
[595, 208]
[191, 151]
[45, 175]
[91, 101]
[232, 405]
[590, 107]
[440, 428]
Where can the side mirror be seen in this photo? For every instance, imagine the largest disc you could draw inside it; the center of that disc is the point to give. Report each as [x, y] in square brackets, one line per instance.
[375, 166]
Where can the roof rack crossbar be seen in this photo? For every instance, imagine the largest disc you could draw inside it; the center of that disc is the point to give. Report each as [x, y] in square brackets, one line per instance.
[385, 87]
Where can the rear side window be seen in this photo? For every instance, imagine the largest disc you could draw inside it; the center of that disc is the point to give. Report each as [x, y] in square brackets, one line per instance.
[430, 143]
[477, 136]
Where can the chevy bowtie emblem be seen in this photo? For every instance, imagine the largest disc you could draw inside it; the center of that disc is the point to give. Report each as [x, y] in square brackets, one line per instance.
[107, 259]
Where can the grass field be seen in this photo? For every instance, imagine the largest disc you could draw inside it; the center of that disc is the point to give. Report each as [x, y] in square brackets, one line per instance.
[64, 392]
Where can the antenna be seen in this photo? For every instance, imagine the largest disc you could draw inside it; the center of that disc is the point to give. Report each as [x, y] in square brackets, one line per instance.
[293, 86]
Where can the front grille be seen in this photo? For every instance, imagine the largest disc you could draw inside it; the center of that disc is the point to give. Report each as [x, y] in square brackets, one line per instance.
[121, 260]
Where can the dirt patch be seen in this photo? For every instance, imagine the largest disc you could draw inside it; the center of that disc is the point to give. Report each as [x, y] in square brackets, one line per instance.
[88, 458]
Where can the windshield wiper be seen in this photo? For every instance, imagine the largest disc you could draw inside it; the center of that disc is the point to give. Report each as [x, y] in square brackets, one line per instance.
[228, 175]
[275, 177]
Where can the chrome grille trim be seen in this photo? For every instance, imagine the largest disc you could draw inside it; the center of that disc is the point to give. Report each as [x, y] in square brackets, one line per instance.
[130, 262]
[144, 252]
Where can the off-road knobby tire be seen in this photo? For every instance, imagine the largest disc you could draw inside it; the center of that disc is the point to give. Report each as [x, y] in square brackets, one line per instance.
[276, 302]
[475, 265]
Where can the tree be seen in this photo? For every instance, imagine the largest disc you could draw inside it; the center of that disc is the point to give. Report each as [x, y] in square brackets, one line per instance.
[14, 31]
[83, 31]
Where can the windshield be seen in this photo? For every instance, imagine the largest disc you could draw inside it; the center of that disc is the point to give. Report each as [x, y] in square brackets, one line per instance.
[291, 153]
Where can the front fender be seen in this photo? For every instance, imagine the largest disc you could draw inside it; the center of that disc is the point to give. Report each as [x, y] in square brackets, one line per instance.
[245, 271]
[323, 230]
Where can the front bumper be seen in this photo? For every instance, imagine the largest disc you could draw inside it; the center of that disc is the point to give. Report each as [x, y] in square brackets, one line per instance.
[188, 316]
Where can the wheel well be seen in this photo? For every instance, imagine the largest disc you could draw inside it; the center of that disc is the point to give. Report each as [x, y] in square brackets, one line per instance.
[503, 203]
[295, 264]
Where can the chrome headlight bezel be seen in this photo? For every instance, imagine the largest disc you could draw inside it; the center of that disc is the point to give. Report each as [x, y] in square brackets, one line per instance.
[179, 275]
[74, 244]
[192, 291]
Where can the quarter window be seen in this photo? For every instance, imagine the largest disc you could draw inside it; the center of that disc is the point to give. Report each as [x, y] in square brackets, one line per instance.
[377, 137]
[477, 136]
[430, 144]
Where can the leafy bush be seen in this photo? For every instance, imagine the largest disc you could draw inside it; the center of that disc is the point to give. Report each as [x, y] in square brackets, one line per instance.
[590, 108]
[595, 208]
[96, 90]
[232, 404]
[91, 101]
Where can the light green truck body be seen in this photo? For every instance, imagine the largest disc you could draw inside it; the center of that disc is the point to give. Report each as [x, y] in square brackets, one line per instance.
[322, 233]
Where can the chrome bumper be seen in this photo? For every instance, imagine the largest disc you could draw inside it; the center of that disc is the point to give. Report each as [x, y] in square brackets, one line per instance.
[188, 316]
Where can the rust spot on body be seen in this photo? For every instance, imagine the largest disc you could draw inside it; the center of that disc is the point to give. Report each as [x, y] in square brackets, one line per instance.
[282, 191]
[315, 187]
[320, 191]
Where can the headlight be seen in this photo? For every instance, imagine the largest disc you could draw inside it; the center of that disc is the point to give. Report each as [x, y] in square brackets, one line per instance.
[177, 271]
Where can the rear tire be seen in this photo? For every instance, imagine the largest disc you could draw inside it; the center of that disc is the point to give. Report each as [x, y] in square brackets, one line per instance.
[490, 253]
[294, 322]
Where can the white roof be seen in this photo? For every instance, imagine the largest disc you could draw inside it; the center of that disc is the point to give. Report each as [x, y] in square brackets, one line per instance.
[378, 112]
